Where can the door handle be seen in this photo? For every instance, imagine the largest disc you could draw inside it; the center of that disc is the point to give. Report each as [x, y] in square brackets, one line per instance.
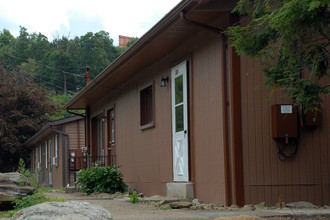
[185, 131]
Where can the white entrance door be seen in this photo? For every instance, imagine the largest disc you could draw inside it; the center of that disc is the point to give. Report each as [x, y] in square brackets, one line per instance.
[180, 123]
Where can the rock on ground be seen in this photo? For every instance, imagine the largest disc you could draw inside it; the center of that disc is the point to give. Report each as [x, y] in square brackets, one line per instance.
[13, 185]
[301, 205]
[180, 205]
[14, 178]
[62, 211]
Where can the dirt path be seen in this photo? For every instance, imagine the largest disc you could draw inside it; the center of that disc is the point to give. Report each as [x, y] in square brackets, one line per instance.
[122, 209]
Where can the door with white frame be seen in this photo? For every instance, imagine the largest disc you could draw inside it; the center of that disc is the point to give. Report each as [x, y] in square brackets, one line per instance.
[180, 123]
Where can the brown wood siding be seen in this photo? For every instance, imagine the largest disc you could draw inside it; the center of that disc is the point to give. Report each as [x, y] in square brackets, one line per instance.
[75, 130]
[266, 178]
[71, 129]
[144, 155]
[208, 119]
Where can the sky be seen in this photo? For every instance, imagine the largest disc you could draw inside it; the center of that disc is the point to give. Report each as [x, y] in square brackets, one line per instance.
[73, 18]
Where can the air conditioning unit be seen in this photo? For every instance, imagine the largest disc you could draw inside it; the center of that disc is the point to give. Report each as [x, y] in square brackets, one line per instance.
[55, 161]
[84, 149]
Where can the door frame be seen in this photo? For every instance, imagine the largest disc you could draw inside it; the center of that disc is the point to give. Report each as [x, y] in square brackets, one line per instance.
[111, 135]
[180, 175]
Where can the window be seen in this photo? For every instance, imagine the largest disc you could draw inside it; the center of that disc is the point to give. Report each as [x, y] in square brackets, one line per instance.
[111, 127]
[147, 107]
[100, 133]
[37, 157]
[50, 151]
[39, 161]
[56, 146]
[46, 161]
[55, 161]
[111, 137]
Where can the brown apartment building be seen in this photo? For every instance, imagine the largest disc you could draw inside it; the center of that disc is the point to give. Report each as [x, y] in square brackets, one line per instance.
[185, 116]
[52, 149]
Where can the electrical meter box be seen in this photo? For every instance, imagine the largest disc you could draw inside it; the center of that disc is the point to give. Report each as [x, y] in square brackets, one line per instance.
[284, 121]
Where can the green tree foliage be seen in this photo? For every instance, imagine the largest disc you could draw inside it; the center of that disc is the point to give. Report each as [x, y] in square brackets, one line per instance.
[291, 39]
[61, 100]
[24, 110]
[7, 46]
[131, 42]
[59, 65]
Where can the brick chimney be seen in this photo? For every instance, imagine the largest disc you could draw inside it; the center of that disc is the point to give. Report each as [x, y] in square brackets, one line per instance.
[123, 40]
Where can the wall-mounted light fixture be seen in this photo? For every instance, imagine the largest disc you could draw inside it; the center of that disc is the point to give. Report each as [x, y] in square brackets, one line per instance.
[73, 154]
[104, 118]
[163, 81]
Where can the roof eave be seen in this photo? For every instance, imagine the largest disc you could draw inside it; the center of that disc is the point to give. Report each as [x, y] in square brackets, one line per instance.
[49, 126]
[168, 19]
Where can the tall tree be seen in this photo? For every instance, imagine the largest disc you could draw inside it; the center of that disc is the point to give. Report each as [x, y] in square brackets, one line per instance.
[22, 44]
[291, 39]
[7, 46]
[38, 46]
[24, 110]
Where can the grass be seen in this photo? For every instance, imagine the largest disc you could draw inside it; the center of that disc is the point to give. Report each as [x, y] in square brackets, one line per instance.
[34, 199]
[166, 208]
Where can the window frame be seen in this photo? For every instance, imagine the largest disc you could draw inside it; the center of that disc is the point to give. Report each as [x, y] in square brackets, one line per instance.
[111, 127]
[56, 146]
[46, 154]
[144, 94]
[39, 159]
[100, 135]
[50, 152]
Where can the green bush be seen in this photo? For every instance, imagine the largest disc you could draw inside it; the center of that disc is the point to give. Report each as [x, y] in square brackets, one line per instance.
[101, 179]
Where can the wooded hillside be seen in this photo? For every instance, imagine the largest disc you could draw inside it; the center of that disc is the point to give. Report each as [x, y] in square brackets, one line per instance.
[58, 65]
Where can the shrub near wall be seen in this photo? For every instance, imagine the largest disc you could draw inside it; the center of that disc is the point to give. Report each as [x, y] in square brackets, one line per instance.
[101, 179]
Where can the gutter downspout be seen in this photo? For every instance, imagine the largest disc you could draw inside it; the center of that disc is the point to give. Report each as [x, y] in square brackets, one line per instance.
[63, 151]
[225, 105]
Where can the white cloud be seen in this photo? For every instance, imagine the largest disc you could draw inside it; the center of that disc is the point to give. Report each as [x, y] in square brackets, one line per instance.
[124, 17]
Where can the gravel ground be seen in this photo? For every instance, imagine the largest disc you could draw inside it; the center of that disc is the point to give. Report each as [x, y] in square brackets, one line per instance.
[121, 209]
